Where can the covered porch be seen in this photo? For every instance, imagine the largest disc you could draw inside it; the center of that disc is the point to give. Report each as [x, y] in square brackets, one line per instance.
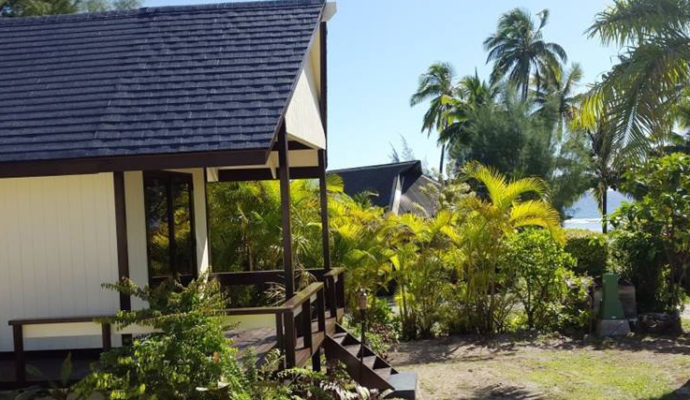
[297, 326]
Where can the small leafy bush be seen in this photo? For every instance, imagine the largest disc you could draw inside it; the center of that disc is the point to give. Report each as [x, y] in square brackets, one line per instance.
[638, 256]
[590, 250]
[187, 357]
[540, 267]
[575, 316]
[652, 235]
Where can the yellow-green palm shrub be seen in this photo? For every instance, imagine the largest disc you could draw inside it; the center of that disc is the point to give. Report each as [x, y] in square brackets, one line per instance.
[420, 249]
[359, 234]
[483, 296]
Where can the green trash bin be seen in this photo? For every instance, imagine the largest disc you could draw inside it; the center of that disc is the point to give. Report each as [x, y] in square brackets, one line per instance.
[611, 307]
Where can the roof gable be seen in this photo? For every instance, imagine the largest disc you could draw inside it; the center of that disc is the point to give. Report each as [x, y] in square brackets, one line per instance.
[151, 81]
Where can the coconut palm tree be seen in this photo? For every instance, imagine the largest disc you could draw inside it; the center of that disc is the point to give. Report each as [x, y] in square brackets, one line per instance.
[519, 50]
[605, 150]
[653, 71]
[557, 94]
[472, 93]
[434, 86]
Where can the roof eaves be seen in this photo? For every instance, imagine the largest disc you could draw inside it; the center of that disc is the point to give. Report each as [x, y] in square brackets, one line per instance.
[281, 119]
[378, 166]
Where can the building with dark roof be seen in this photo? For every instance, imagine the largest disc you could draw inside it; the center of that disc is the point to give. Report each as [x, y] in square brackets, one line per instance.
[112, 125]
[399, 187]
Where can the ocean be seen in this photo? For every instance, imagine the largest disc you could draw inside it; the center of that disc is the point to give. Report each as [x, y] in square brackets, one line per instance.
[585, 214]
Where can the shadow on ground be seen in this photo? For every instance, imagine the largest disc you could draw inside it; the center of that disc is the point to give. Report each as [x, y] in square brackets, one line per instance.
[682, 393]
[470, 348]
[503, 392]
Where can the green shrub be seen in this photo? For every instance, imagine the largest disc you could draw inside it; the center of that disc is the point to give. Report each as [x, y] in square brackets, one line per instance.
[652, 235]
[539, 267]
[590, 249]
[575, 316]
[637, 254]
[187, 358]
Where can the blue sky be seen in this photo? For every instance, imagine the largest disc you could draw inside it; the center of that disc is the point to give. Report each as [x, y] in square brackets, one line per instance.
[378, 49]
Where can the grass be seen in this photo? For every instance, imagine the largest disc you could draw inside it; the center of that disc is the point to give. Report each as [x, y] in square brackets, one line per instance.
[608, 375]
[632, 368]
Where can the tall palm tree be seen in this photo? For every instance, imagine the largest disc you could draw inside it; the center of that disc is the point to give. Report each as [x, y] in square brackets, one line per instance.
[518, 49]
[653, 70]
[472, 93]
[605, 146]
[606, 154]
[435, 86]
[557, 94]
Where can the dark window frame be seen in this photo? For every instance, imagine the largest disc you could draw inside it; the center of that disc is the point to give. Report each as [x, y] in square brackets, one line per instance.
[169, 177]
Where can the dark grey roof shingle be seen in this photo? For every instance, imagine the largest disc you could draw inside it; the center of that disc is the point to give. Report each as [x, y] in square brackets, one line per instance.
[381, 179]
[150, 81]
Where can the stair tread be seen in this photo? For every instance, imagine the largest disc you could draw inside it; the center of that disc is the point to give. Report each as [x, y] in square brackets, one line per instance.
[353, 349]
[370, 361]
[384, 373]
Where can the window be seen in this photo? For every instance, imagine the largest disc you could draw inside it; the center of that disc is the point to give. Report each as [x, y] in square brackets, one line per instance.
[169, 226]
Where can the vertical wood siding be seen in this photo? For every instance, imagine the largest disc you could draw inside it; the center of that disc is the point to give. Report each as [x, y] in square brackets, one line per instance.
[57, 245]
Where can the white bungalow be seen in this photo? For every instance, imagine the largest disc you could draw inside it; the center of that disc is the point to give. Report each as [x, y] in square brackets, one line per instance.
[110, 123]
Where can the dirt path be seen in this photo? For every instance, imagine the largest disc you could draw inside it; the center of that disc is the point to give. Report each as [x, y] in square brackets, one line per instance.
[549, 368]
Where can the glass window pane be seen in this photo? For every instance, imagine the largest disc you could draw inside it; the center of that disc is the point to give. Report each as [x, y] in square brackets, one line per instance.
[184, 255]
[157, 228]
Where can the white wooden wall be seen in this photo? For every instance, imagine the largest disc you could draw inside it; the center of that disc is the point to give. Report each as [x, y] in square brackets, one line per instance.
[57, 245]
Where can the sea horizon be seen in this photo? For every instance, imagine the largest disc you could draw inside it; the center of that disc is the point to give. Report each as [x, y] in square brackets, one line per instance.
[584, 214]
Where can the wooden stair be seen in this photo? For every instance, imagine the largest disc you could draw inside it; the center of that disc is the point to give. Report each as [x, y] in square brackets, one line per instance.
[365, 367]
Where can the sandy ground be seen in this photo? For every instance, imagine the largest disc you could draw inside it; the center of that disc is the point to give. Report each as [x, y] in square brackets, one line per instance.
[548, 368]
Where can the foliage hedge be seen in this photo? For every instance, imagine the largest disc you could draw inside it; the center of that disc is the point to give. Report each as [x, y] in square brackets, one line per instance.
[590, 250]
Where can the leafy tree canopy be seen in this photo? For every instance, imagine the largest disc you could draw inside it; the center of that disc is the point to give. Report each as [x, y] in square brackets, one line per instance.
[28, 8]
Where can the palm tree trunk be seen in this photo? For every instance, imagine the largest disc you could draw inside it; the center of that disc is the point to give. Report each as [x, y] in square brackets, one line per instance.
[525, 91]
[604, 197]
[440, 167]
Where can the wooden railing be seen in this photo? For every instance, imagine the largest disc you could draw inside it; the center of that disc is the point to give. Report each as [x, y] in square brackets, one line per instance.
[335, 287]
[293, 319]
[333, 279]
[18, 336]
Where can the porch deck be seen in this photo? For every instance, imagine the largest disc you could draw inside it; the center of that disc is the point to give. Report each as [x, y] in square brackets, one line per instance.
[260, 341]
[316, 309]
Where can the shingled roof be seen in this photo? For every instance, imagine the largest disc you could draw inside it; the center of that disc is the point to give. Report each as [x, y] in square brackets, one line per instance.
[150, 81]
[407, 178]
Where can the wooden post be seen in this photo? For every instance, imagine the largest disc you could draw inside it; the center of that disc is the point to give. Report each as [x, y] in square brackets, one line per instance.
[323, 103]
[19, 361]
[323, 194]
[321, 309]
[105, 336]
[284, 172]
[290, 339]
[306, 324]
[316, 360]
[331, 283]
[121, 235]
[280, 340]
